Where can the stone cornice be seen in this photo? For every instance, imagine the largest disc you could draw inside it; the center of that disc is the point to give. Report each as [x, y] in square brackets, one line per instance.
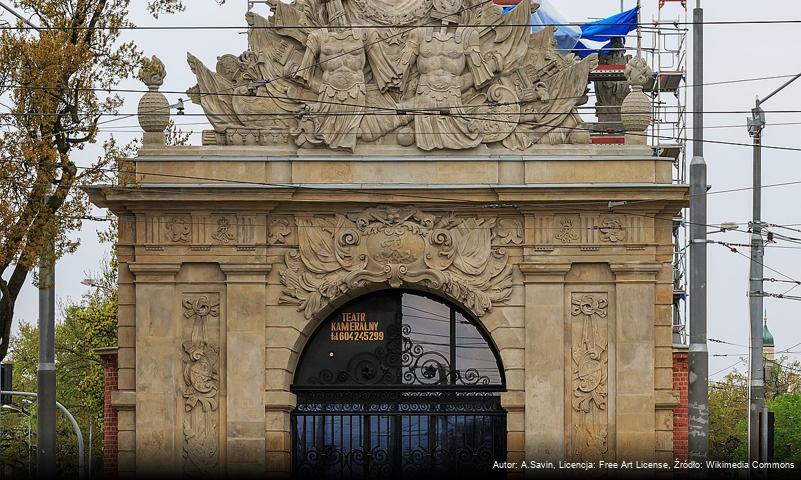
[154, 272]
[242, 273]
[245, 269]
[636, 271]
[544, 272]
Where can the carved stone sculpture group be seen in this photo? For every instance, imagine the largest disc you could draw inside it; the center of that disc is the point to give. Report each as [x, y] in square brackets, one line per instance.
[430, 74]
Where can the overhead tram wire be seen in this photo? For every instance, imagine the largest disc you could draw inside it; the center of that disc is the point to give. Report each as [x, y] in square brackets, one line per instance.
[649, 25]
[483, 115]
[121, 90]
[461, 10]
[286, 76]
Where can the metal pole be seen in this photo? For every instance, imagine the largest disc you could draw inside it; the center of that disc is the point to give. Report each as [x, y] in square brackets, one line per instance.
[46, 373]
[698, 391]
[756, 294]
[89, 453]
[639, 28]
[75, 427]
[756, 392]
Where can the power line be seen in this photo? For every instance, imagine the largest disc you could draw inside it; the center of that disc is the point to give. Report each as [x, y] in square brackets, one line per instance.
[648, 25]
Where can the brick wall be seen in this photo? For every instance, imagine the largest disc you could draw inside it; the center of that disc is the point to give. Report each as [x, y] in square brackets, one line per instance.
[110, 447]
[680, 385]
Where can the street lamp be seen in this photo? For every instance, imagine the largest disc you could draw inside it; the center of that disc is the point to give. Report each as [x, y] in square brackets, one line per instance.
[756, 391]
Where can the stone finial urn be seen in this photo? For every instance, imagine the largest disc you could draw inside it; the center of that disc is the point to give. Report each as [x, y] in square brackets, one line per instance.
[154, 109]
[636, 109]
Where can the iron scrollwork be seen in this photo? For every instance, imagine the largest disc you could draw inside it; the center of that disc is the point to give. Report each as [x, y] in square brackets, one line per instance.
[421, 367]
[400, 361]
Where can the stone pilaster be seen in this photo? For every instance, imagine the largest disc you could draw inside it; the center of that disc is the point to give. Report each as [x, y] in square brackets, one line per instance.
[246, 359]
[158, 313]
[544, 360]
[635, 398]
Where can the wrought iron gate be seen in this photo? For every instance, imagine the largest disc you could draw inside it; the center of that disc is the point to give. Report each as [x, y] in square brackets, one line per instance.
[398, 385]
[391, 434]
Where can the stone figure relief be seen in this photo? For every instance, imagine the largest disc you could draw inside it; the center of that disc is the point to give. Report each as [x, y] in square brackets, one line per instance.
[201, 358]
[396, 246]
[589, 352]
[424, 74]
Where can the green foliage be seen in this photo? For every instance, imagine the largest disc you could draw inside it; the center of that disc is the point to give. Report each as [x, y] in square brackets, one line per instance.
[88, 324]
[728, 414]
[787, 427]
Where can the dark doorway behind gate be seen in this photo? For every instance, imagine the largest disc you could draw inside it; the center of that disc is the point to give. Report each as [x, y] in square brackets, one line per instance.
[398, 385]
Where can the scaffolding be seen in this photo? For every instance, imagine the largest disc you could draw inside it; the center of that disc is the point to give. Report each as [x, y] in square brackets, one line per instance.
[663, 44]
[666, 52]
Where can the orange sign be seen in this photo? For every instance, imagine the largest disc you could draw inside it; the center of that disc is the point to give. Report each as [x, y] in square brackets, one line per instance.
[353, 326]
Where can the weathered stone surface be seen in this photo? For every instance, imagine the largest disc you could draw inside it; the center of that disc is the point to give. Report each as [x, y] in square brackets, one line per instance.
[451, 75]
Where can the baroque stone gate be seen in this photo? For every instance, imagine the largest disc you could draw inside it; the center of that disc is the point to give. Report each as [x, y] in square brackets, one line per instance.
[342, 162]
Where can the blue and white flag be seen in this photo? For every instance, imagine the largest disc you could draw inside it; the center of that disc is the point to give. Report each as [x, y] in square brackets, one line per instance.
[596, 36]
[566, 35]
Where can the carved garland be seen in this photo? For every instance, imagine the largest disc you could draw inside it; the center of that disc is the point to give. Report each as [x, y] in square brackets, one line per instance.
[399, 246]
[590, 378]
[201, 387]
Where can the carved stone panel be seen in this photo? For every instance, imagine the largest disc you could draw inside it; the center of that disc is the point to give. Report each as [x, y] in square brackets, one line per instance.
[398, 246]
[589, 347]
[178, 229]
[279, 229]
[223, 230]
[566, 229]
[592, 229]
[201, 375]
[612, 229]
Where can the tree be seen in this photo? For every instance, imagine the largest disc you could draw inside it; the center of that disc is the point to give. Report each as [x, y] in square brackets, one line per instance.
[787, 427]
[85, 325]
[55, 78]
[728, 416]
[728, 413]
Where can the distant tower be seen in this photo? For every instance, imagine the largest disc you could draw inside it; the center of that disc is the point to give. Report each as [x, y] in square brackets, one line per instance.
[767, 340]
[767, 355]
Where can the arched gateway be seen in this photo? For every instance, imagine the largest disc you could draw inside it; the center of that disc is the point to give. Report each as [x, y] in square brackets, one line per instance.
[446, 154]
[396, 384]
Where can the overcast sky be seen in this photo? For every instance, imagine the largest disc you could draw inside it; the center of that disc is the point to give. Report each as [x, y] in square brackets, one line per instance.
[732, 52]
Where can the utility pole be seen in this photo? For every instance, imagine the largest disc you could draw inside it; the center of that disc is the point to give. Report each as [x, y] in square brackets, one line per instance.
[698, 390]
[756, 393]
[46, 372]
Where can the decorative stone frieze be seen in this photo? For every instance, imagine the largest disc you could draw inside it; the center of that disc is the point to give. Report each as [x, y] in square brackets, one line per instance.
[591, 230]
[398, 246]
